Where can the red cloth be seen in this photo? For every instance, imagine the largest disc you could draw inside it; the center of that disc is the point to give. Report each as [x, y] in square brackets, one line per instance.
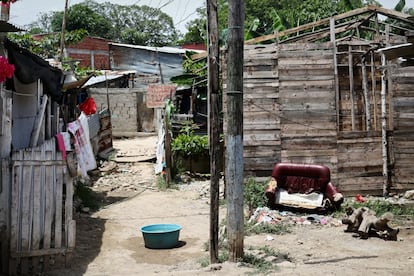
[88, 106]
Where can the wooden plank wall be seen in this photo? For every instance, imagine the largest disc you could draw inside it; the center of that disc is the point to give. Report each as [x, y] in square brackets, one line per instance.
[261, 130]
[41, 228]
[402, 142]
[261, 121]
[307, 100]
[360, 163]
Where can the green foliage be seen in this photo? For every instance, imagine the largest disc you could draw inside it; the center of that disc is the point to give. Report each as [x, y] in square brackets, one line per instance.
[80, 16]
[161, 183]
[187, 143]
[261, 262]
[48, 45]
[380, 207]
[196, 28]
[265, 16]
[254, 194]
[133, 24]
[277, 229]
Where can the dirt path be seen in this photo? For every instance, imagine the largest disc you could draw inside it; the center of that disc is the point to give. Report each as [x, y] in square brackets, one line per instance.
[109, 241]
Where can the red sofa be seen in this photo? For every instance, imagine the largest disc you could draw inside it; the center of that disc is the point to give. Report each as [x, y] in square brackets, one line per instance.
[302, 179]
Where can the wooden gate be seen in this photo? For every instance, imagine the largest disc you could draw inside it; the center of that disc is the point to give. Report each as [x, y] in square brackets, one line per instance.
[42, 231]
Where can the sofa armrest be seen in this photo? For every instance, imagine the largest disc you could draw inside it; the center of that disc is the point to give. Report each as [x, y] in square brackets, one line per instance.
[270, 191]
[334, 195]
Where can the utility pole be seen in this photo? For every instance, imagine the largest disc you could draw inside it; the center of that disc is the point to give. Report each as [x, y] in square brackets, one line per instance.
[234, 135]
[62, 35]
[214, 125]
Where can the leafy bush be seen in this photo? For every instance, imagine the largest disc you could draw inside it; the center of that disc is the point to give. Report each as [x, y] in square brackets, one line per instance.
[254, 194]
[186, 143]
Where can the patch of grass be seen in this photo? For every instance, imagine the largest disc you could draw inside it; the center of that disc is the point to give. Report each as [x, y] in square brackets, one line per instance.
[263, 259]
[161, 183]
[380, 207]
[277, 229]
[204, 262]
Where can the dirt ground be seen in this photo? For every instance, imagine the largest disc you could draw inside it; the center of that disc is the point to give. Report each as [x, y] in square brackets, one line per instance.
[109, 242]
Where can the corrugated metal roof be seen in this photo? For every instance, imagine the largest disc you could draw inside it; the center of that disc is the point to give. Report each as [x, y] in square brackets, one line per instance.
[110, 75]
[6, 27]
[164, 49]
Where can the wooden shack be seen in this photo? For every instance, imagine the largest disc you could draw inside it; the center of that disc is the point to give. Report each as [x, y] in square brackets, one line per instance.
[36, 190]
[320, 93]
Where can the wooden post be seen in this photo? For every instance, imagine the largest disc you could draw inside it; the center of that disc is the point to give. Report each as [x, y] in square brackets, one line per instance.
[374, 87]
[214, 125]
[366, 95]
[167, 145]
[351, 85]
[234, 135]
[335, 59]
[384, 125]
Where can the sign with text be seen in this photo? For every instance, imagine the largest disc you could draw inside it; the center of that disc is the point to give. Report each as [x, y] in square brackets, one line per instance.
[157, 94]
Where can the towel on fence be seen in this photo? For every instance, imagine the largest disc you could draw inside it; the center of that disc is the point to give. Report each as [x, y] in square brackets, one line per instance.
[83, 147]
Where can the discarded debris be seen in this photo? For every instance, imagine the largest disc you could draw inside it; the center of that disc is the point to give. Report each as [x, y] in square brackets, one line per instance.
[266, 215]
[365, 223]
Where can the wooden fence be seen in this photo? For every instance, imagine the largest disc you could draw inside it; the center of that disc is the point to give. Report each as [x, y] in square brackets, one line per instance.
[40, 193]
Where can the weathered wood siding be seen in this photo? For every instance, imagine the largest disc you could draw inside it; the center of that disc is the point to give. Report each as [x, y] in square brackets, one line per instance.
[307, 103]
[291, 114]
[41, 224]
[360, 163]
[261, 120]
[402, 140]
[261, 130]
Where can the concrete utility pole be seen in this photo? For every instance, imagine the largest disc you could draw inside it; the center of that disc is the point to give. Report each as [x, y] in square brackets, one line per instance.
[234, 135]
[214, 125]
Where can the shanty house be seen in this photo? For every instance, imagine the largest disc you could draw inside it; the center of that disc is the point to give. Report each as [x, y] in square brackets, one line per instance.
[325, 93]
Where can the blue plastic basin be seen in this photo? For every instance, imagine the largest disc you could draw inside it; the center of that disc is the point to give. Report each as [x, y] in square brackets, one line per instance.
[161, 236]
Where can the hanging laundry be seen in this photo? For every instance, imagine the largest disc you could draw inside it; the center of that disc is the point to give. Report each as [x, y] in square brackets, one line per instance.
[83, 147]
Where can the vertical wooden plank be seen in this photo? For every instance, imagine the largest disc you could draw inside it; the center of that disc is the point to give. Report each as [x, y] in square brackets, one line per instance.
[4, 215]
[17, 170]
[6, 113]
[384, 124]
[25, 203]
[58, 180]
[335, 61]
[47, 182]
[351, 85]
[70, 233]
[37, 206]
[374, 88]
[366, 95]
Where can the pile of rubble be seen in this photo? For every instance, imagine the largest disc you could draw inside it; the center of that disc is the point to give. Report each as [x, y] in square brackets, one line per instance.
[266, 215]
